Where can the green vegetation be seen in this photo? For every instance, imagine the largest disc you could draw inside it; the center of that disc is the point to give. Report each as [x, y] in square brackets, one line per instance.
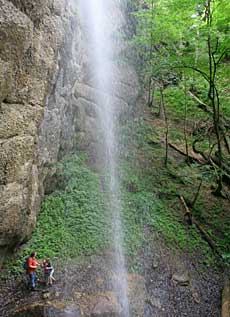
[73, 221]
[183, 57]
[183, 49]
[185, 52]
[151, 198]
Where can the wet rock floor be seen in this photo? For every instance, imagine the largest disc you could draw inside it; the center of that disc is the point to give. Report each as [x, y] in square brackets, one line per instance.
[168, 285]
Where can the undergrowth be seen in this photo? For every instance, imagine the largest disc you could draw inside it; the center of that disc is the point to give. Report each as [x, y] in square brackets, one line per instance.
[146, 209]
[151, 197]
[75, 221]
[72, 221]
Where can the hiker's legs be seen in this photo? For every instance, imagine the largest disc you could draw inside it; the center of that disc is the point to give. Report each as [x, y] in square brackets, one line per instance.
[51, 272]
[51, 275]
[50, 282]
[32, 279]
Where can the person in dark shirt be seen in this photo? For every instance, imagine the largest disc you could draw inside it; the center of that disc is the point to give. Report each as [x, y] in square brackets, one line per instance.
[48, 271]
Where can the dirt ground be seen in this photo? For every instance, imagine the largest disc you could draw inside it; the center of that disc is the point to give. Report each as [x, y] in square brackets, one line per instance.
[169, 285]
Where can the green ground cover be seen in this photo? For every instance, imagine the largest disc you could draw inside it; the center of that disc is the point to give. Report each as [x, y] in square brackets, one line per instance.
[75, 221]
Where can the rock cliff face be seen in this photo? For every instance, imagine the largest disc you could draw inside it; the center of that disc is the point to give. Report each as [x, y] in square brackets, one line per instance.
[31, 34]
[70, 120]
[47, 103]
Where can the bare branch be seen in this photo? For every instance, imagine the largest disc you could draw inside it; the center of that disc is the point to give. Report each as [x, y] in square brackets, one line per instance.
[206, 77]
[221, 56]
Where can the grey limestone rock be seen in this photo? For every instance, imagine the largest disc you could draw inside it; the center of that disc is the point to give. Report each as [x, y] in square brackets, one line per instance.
[48, 104]
[31, 34]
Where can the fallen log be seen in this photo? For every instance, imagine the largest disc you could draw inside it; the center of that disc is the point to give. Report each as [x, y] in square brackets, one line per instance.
[200, 159]
[187, 214]
[201, 104]
[206, 236]
[226, 299]
[200, 228]
[193, 156]
[225, 168]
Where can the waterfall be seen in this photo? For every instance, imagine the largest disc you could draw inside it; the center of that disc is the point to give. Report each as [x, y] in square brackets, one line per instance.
[100, 25]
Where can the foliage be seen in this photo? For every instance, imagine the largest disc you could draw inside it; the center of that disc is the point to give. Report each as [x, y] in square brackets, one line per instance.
[75, 221]
[185, 48]
[154, 203]
[72, 221]
[145, 209]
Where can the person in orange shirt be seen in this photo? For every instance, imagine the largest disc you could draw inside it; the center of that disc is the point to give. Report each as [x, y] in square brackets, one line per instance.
[31, 269]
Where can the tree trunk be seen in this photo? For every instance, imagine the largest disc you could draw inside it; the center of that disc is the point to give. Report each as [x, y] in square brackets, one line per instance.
[150, 95]
[202, 231]
[197, 194]
[166, 126]
[185, 119]
[213, 93]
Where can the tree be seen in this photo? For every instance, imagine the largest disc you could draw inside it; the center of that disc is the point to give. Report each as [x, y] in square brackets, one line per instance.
[176, 37]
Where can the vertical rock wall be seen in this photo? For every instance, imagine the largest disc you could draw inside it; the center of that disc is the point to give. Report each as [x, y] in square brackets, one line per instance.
[47, 102]
[31, 34]
[70, 119]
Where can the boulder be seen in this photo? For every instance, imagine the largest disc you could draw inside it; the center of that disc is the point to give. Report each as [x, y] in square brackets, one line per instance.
[181, 279]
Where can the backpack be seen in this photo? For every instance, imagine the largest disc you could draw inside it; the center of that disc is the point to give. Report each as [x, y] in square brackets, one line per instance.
[25, 263]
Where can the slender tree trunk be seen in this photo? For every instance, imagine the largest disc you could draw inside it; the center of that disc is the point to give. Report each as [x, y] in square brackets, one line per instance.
[161, 112]
[150, 100]
[185, 119]
[150, 91]
[213, 94]
[166, 126]
[197, 194]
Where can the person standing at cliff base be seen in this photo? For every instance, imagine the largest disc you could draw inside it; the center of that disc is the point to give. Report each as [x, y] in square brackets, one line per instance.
[31, 269]
[48, 271]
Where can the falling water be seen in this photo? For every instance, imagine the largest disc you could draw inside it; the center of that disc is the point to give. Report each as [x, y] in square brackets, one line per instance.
[100, 24]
